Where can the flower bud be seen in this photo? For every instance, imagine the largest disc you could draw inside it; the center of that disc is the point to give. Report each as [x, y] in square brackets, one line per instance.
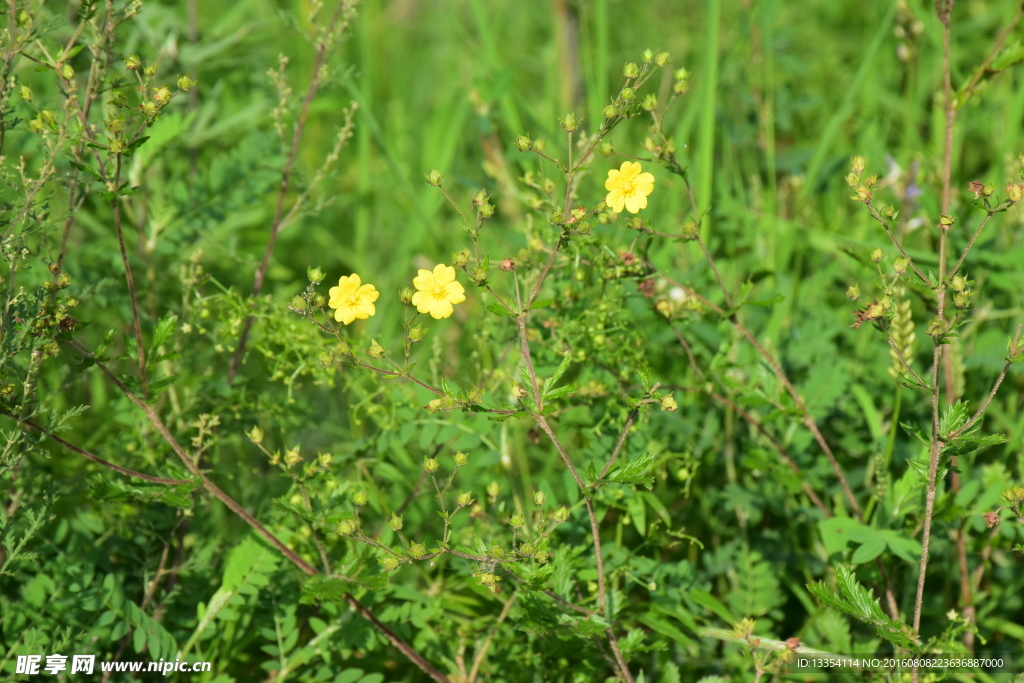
[318, 300]
[958, 283]
[255, 435]
[395, 523]
[25, 93]
[607, 148]
[877, 255]
[628, 94]
[388, 564]
[359, 498]
[342, 348]
[669, 404]
[150, 70]
[962, 299]
[376, 350]
[434, 405]
[1015, 191]
[325, 460]
[185, 83]
[64, 280]
[517, 520]
[900, 265]
[946, 221]
[132, 62]
[434, 178]
[526, 549]
[496, 551]
[162, 94]
[691, 231]
[647, 56]
[461, 459]
[569, 123]
[430, 465]
[460, 258]
[853, 293]
[488, 579]
[48, 118]
[36, 126]
[650, 102]
[315, 275]
[539, 497]
[292, 457]
[561, 514]
[541, 556]
[149, 109]
[417, 333]
[517, 391]
[858, 164]
[464, 499]
[662, 59]
[346, 527]
[405, 296]
[610, 111]
[631, 70]
[540, 144]
[493, 490]
[524, 143]
[417, 550]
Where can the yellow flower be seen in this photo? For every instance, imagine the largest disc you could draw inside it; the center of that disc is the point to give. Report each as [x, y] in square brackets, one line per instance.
[438, 290]
[352, 300]
[628, 187]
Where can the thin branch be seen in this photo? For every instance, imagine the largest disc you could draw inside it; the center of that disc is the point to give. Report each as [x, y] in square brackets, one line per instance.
[1005, 205]
[622, 436]
[479, 659]
[903, 361]
[128, 276]
[99, 461]
[991, 394]
[341, 12]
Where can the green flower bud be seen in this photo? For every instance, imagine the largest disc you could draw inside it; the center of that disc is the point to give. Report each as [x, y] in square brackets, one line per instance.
[662, 59]
[489, 580]
[1015, 191]
[900, 265]
[318, 300]
[395, 523]
[25, 93]
[388, 564]
[539, 497]
[853, 293]
[569, 123]
[858, 164]
[497, 552]
[132, 62]
[524, 143]
[434, 178]
[298, 304]
[946, 221]
[460, 258]
[325, 460]
[958, 283]
[606, 148]
[610, 111]
[346, 527]
[417, 333]
[650, 102]
[631, 70]
[48, 118]
[493, 490]
[526, 549]
[647, 56]
[185, 83]
[149, 109]
[417, 551]
[517, 520]
[315, 275]
[64, 280]
[562, 514]
[66, 72]
[342, 348]
[628, 94]
[464, 499]
[255, 435]
[461, 459]
[292, 457]
[430, 465]
[877, 255]
[359, 498]
[691, 231]
[376, 350]
[434, 405]
[541, 556]
[150, 70]
[669, 404]
[962, 299]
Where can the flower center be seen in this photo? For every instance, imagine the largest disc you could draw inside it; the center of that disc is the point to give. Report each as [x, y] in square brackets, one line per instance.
[353, 301]
[628, 188]
[439, 293]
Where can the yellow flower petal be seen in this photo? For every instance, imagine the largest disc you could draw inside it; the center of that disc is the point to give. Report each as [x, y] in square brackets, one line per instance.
[424, 281]
[440, 308]
[443, 275]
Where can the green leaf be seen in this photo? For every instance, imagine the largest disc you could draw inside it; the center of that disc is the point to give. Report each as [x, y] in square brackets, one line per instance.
[541, 303]
[497, 309]
[646, 379]
[324, 588]
[87, 169]
[869, 550]
[859, 602]
[634, 471]
[707, 600]
[954, 417]
[549, 383]
[164, 329]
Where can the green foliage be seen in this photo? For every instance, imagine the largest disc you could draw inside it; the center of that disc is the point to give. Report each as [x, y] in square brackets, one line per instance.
[620, 432]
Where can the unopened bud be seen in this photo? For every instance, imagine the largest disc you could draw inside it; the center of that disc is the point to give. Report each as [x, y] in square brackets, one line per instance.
[292, 457]
[517, 520]
[900, 265]
[417, 333]
[132, 62]
[376, 350]
[610, 111]
[946, 221]
[526, 549]
[569, 123]
[669, 404]
[325, 460]
[539, 497]
[691, 231]
[962, 299]
[541, 556]
[255, 435]
[561, 514]
[185, 83]
[958, 283]
[858, 164]
[607, 149]
[461, 459]
[1015, 191]
[359, 498]
[430, 464]
[877, 255]
[25, 93]
[417, 550]
[650, 102]
[150, 70]
[162, 94]
[662, 59]
[497, 552]
[464, 499]
[628, 94]
[493, 490]
[631, 70]
[315, 275]
[853, 292]
[434, 178]
[460, 258]
[395, 523]
[346, 527]
[388, 564]
[524, 143]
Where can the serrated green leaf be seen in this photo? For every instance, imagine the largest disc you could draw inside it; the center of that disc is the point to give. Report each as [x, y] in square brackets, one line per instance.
[497, 309]
[634, 471]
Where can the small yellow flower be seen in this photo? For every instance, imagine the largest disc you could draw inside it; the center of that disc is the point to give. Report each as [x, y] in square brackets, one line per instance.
[438, 290]
[628, 187]
[351, 299]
